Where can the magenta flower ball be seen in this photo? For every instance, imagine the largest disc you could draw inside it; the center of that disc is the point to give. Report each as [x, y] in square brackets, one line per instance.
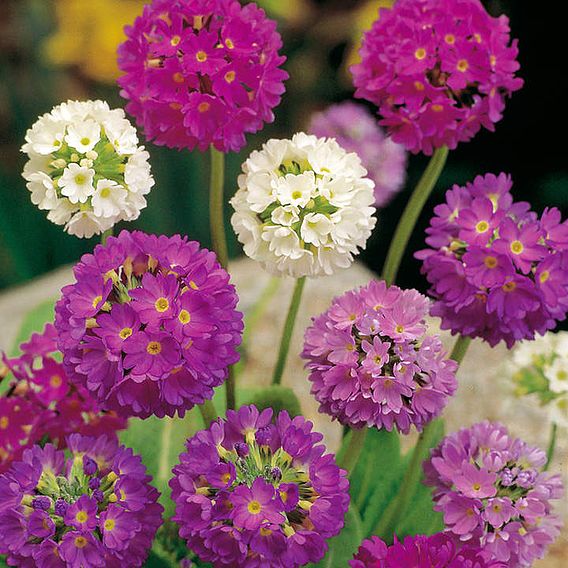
[95, 508]
[150, 326]
[493, 493]
[496, 270]
[251, 491]
[371, 364]
[41, 403]
[436, 551]
[356, 130]
[438, 70]
[201, 72]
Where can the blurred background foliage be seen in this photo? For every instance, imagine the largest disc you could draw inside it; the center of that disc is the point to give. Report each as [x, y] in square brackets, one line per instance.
[53, 50]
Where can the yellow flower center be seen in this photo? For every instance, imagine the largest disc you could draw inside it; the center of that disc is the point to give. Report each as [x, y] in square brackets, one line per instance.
[184, 317]
[201, 56]
[85, 141]
[81, 517]
[80, 179]
[492, 60]
[229, 43]
[437, 108]
[105, 192]
[178, 77]
[470, 512]
[162, 304]
[490, 261]
[399, 328]
[296, 195]
[175, 40]
[203, 107]
[450, 39]
[497, 508]
[544, 276]
[55, 381]
[283, 496]
[97, 301]
[562, 375]
[476, 486]
[80, 542]
[193, 285]
[509, 287]
[420, 53]
[154, 348]
[482, 227]
[4, 422]
[265, 532]
[254, 507]
[517, 247]
[230, 76]
[419, 86]
[462, 65]
[109, 524]
[125, 333]
[378, 359]
[226, 477]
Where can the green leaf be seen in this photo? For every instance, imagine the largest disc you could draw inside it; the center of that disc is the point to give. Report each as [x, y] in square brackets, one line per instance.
[3, 562]
[278, 398]
[343, 546]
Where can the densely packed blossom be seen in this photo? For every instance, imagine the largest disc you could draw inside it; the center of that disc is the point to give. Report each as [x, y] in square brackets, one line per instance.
[493, 493]
[371, 363]
[40, 404]
[86, 168]
[497, 271]
[201, 72]
[304, 206]
[438, 70]
[436, 551]
[356, 130]
[95, 508]
[150, 326]
[540, 368]
[250, 491]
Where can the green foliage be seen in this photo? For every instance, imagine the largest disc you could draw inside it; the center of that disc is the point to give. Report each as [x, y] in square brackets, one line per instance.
[345, 544]
[34, 321]
[278, 398]
[3, 562]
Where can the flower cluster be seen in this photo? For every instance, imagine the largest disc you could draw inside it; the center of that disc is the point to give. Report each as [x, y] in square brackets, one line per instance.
[541, 367]
[41, 404]
[150, 326]
[493, 493]
[436, 551]
[438, 70]
[496, 270]
[201, 72]
[95, 508]
[356, 130]
[304, 206]
[251, 492]
[371, 363]
[85, 167]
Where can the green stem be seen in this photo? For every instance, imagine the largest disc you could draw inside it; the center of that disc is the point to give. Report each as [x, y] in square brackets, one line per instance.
[230, 385]
[356, 442]
[399, 504]
[288, 330]
[106, 235]
[412, 213]
[551, 446]
[253, 316]
[208, 412]
[216, 206]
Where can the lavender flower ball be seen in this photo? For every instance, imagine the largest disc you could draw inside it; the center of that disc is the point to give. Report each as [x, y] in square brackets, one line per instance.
[436, 551]
[497, 271]
[493, 493]
[253, 492]
[356, 130]
[150, 326]
[371, 363]
[95, 508]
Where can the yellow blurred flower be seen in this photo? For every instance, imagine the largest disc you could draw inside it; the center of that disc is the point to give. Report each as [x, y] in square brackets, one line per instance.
[88, 33]
[362, 21]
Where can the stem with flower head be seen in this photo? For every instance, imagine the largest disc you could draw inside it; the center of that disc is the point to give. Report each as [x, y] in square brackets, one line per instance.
[399, 504]
[356, 443]
[288, 330]
[216, 206]
[551, 446]
[412, 213]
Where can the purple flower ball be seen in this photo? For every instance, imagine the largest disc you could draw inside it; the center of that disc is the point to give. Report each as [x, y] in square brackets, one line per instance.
[76, 529]
[493, 493]
[150, 326]
[436, 551]
[371, 363]
[496, 270]
[438, 70]
[356, 130]
[233, 510]
[201, 72]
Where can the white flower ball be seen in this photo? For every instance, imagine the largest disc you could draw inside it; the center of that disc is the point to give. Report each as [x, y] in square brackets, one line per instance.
[304, 206]
[86, 168]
